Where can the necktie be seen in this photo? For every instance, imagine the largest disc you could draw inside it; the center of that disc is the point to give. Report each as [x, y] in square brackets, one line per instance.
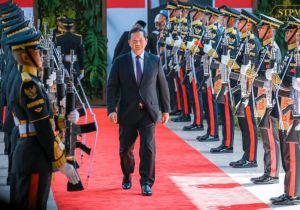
[139, 72]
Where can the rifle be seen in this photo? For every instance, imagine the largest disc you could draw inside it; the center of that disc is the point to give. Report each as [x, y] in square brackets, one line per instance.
[293, 134]
[268, 86]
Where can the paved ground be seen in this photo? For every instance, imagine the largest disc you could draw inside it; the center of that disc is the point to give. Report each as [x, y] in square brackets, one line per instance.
[242, 176]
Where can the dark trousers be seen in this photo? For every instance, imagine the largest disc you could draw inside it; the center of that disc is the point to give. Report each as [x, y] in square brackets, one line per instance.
[290, 155]
[271, 147]
[211, 111]
[173, 96]
[248, 128]
[145, 128]
[227, 121]
[30, 191]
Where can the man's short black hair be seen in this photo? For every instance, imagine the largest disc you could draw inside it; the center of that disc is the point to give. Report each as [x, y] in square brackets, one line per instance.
[137, 29]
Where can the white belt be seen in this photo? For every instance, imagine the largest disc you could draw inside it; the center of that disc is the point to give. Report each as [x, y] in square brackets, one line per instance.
[26, 128]
[68, 58]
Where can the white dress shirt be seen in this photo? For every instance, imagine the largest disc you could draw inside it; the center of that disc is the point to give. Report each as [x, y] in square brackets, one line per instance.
[141, 59]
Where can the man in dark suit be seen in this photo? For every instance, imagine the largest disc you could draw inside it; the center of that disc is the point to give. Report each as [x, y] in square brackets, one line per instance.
[139, 78]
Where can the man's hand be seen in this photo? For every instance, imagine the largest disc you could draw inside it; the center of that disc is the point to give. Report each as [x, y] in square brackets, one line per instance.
[113, 117]
[165, 118]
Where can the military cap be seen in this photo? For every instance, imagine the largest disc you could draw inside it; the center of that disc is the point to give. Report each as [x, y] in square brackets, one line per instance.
[68, 22]
[10, 23]
[171, 5]
[245, 15]
[292, 22]
[26, 31]
[183, 5]
[212, 11]
[15, 14]
[164, 12]
[199, 7]
[59, 18]
[228, 11]
[5, 5]
[267, 20]
[17, 28]
[9, 9]
[22, 40]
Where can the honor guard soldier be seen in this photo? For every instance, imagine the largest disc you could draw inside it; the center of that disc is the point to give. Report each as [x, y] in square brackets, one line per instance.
[169, 34]
[228, 51]
[247, 61]
[10, 126]
[288, 119]
[195, 31]
[179, 48]
[270, 57]
[59, 27]
[38, 144]
[211, 44]
[71, 41]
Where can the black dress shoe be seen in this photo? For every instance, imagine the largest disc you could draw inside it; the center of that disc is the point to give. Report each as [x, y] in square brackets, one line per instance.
[209, 139]
[185, 118]
[193, 127]
[146, 190]
[246, 164]
[237, 162]
[286, 200]
[174, 113]
[267, 180]
[202, 137]
[221, 149]
[126, 182]
[253, 179]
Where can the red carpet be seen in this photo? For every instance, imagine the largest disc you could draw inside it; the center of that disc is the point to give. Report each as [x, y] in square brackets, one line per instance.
[199, 183]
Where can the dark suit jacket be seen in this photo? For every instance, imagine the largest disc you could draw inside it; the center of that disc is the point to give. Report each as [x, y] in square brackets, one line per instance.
[153, 90]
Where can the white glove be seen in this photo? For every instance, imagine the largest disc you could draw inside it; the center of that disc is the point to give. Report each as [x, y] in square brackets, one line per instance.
[190, 44]
[73, 117]
[81, 76]
[178, 42]
[245, 67]
[51, 79]
[49, 82]
[68, 170]
[63, 102]
[191, 75]
[296, 84]
[207, 47]
[169, 40]
[268, 74]
[225, 59]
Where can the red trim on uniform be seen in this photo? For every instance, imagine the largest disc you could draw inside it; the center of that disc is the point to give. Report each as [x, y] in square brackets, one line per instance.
[234, 4]
[211, 111]
[33, 190]
[196, 102]
[4, 115]
[272, 150]
[292, 184]
[227, 121]
[126, 4]
[179, 107]
[251, 133]
[184, 94]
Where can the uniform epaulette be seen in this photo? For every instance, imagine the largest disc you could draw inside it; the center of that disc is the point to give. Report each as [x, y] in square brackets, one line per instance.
[58, 35]
[197, 23]
[77, 34]
[173, 19]
[26, 77]
[251, 36]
